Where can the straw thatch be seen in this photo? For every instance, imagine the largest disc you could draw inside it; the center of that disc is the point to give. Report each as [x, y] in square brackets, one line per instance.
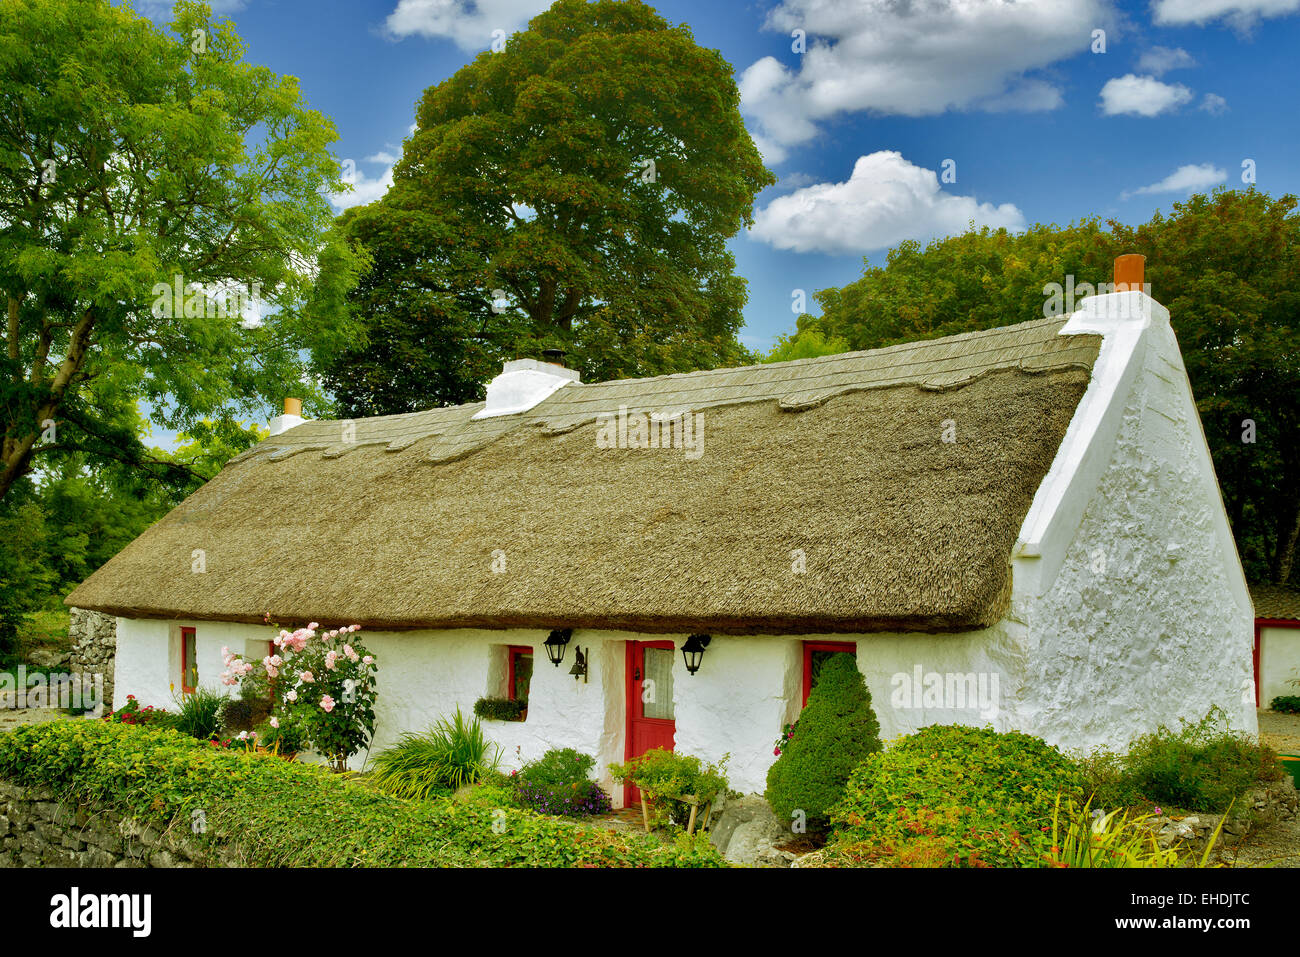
[406, 522]
[1278, 602]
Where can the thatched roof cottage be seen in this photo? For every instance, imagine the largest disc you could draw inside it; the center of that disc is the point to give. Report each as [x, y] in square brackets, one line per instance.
[1018, 527]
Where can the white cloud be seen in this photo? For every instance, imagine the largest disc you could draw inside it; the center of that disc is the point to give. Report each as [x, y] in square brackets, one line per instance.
[1240, 13]
[383, 156]
[885, 201]
[1160, 60]
[1141, 96]
[470, 23]
[364, 190]
[915, 59]
[1214, 104]
[1186, 179]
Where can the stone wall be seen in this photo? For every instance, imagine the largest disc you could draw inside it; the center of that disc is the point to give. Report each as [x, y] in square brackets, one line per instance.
[94, 646]
[38, 830]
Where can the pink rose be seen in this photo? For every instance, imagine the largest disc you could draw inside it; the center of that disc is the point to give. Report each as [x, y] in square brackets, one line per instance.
[306, 677]
[275, 722]
[327, 704]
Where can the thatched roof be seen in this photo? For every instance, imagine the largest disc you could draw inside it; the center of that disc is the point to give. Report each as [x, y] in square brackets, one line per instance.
[840, 457]
[1279, 602]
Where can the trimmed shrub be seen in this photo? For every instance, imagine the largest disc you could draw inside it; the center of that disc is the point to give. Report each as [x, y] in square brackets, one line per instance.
[557, 783]
[836, 732]
[954, 795]
[1286, 703]
[261, 811]
[449, 755]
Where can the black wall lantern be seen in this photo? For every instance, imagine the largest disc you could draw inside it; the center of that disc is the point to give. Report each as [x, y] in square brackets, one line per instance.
[555, 644]
[693, 652]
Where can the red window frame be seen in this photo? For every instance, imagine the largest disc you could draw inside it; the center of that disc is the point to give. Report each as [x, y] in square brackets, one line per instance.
[513, 652]
[186, 635]
[809, 647]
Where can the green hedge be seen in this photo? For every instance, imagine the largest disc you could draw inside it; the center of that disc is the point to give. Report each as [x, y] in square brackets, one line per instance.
[273, 813]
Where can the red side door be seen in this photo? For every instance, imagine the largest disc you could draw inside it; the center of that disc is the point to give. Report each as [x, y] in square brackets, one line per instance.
[650, 720]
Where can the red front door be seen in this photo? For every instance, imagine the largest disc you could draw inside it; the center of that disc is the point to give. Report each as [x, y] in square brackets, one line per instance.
[650, 721]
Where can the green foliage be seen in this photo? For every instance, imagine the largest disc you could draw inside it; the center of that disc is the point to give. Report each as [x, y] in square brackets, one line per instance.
[593, 172]
[500, 709]
[1227, 266]
[557, 783]
[235, 198]
[148, 716]
[1082, 837]
[1204, 766]
[243, 714]
[285, 738]
[198, 714]
[274, 813]
[806, 343]
[25, 579]
[953, 795]
[836, 732]
[451, 754]
[668, 779]
[1286, 703]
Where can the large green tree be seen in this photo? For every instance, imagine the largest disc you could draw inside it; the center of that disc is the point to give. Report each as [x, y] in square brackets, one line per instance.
[153, 186]
[574, 190]
[1225, 265]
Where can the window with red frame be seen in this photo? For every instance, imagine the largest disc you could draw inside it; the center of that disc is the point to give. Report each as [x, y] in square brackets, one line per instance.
[815, 655]
[519, 674]
[189, 661]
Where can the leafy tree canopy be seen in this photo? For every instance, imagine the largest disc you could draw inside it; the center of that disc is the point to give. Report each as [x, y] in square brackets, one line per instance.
[575, 190]
[153, 188]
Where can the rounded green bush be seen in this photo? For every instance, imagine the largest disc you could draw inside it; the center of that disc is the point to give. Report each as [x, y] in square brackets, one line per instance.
[951, 794]
[836, 732]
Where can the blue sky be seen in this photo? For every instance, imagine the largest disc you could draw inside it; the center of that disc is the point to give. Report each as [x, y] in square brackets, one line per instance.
[858, 126]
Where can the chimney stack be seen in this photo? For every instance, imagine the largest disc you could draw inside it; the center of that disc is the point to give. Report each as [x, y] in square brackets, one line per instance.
[1130, 273]
[522, 384]
[292, 417]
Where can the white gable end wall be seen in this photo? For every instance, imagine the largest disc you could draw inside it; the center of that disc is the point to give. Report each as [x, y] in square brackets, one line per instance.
[1141, 616]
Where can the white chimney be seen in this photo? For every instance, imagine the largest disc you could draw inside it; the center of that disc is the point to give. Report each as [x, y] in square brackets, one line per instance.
[292, 417]
[522, 384]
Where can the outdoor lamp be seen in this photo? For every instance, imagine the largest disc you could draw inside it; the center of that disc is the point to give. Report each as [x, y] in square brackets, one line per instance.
[555, 643]
[693, 652]
[579, 669]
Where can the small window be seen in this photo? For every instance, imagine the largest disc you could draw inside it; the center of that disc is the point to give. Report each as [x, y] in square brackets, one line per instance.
[520, 673]
[815, 656]
[189, 661]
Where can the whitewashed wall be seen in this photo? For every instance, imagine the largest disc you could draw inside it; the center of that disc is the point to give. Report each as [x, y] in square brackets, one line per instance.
[1145, 618]
[1279, 662]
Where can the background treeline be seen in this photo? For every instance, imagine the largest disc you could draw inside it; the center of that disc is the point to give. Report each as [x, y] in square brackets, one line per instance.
[1227, 266]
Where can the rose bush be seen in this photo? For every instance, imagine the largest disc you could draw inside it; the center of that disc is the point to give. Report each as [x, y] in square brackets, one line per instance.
[322, 683]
